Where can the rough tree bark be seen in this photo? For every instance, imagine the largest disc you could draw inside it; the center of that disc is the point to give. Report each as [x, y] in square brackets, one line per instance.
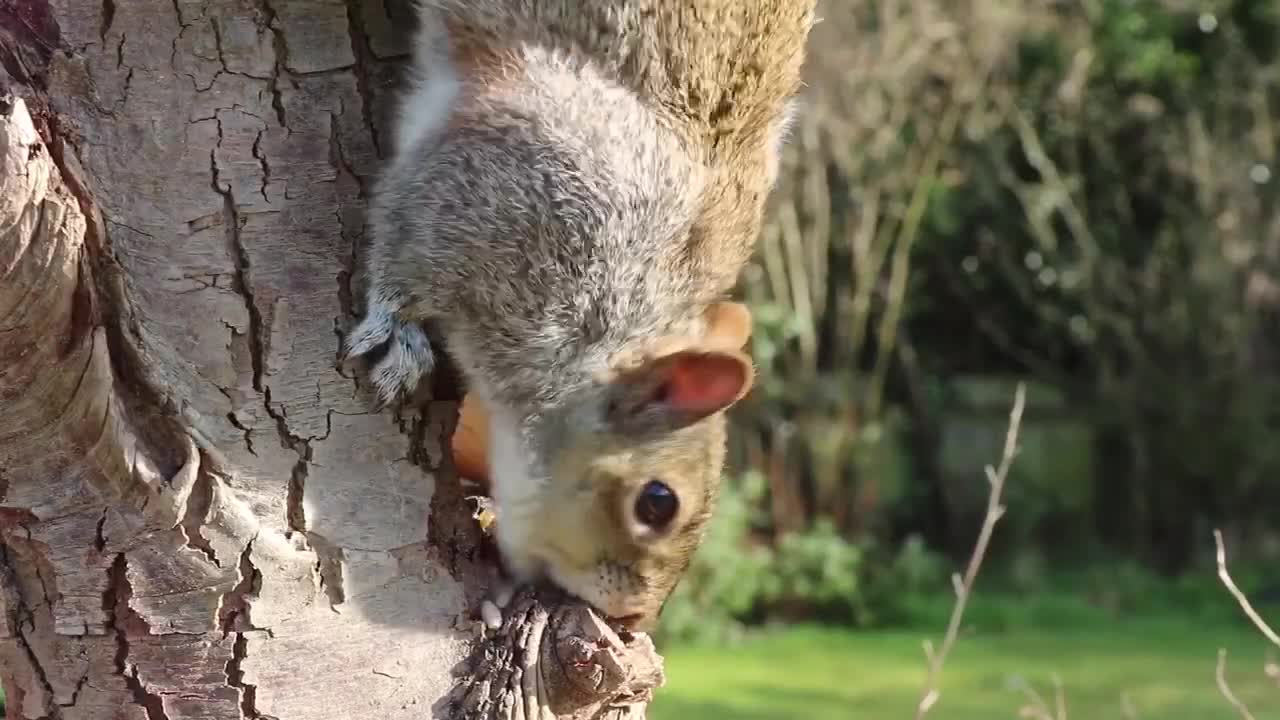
[200, 515]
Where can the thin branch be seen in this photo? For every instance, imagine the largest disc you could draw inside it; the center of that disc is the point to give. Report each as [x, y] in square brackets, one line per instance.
[994, 512]
[1037, 707]
[1127, 706]
[1060, 697]
[1225, 577]
[1225, 689]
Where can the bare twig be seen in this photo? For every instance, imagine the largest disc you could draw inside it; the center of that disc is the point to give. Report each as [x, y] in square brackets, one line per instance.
[1225, 689]
[996, 476]
[1035, 712]
[1127, 706]
[1037, 707]
[1225, 577]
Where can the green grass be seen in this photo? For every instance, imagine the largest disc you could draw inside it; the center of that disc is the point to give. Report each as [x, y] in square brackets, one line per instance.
[1165, 666]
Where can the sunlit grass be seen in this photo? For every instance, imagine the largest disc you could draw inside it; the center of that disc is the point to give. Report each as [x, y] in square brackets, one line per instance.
[1165, 667]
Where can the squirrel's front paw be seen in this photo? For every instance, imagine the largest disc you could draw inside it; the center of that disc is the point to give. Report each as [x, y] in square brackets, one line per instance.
[407, 358]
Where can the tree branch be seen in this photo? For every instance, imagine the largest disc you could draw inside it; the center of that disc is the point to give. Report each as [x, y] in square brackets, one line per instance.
[1126, 705]
[1221, 673]
[995, 510]
[554, 659]
[1225, 689]
[1038, 708]
[1245, 605]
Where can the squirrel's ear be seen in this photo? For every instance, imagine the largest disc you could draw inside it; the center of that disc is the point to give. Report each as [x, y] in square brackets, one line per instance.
[728, 325]
[680, 388]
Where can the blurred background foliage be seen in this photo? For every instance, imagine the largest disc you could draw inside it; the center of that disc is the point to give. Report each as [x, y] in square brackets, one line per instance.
[1080, 195]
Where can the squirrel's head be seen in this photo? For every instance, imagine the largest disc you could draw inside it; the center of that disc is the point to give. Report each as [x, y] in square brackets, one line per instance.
[609, 496]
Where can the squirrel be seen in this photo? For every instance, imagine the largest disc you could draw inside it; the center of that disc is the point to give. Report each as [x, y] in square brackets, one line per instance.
[572, 189]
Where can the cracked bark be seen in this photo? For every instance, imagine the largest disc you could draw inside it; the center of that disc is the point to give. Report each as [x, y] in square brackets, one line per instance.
[200, 514]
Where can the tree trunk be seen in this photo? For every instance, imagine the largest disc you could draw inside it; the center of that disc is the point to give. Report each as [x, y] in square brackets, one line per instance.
[200, 514]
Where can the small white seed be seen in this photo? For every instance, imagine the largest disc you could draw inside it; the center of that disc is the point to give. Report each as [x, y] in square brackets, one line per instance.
[491, 615]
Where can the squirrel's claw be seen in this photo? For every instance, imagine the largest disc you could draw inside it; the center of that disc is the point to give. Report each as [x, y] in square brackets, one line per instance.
[407, 359]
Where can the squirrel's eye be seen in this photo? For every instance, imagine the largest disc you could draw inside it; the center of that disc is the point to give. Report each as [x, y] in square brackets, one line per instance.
[656, 505]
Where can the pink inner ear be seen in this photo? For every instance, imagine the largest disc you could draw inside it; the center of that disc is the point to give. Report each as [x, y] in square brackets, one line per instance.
[704, 383]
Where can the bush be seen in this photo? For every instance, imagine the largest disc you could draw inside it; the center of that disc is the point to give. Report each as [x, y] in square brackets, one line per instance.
[726, 580]
[906, 581]
[815, 574]
[738, 581]
[735, 581]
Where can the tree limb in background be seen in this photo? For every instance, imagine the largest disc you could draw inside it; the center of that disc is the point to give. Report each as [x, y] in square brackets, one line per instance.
[1221, 673]
[1126, 705]
[1037, 708]
[1245, 605]
[1225, 689]
[995, 510]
